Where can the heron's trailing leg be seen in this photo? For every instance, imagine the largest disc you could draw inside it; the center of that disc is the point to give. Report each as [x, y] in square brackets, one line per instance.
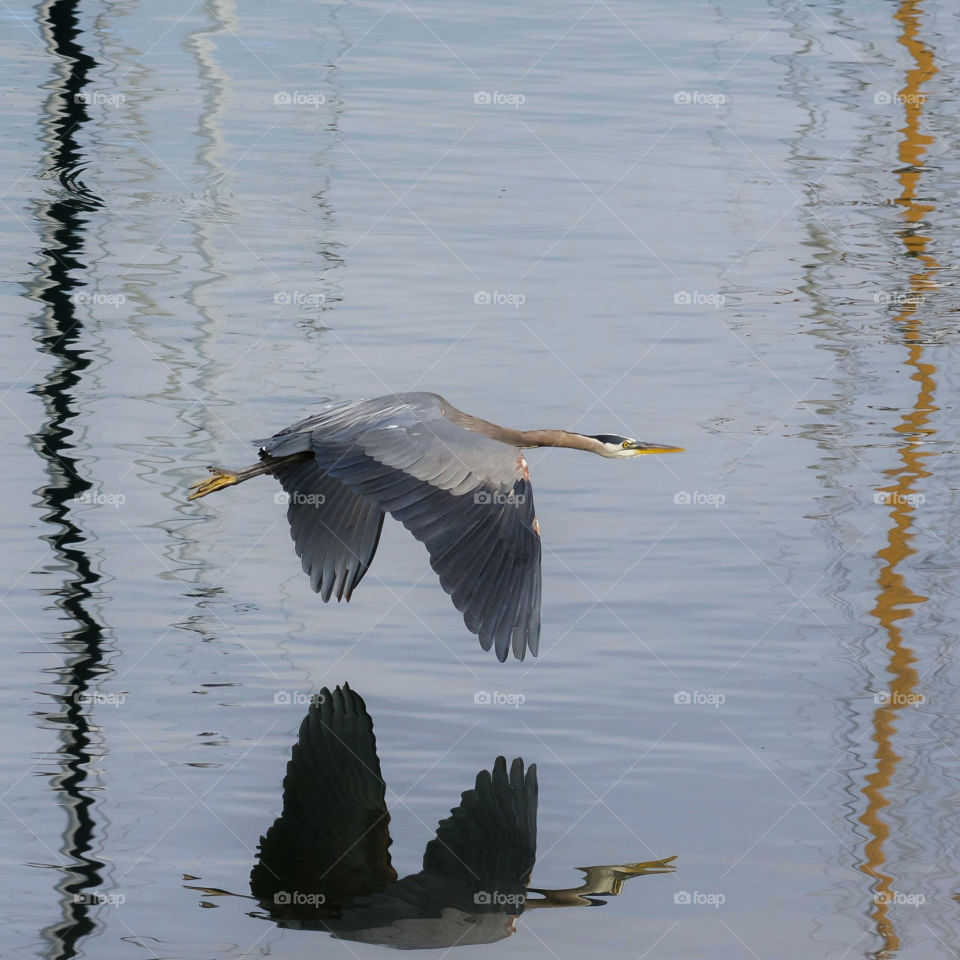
[227, 478]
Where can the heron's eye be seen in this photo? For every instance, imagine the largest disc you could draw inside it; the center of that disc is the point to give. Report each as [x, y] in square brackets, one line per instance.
[625, 444]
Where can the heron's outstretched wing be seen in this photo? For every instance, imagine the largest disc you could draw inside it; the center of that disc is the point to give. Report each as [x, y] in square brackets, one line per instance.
[465, 496]
[478, 864]
[335, 530]
[331, 841]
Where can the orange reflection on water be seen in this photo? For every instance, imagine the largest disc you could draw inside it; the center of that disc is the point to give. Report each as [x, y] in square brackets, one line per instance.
[895, 599]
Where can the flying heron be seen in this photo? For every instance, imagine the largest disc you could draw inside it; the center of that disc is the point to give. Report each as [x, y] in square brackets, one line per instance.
[459, 484]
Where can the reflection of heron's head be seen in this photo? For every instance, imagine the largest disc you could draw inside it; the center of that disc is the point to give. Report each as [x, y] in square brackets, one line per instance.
[613, 445]
[598, 881]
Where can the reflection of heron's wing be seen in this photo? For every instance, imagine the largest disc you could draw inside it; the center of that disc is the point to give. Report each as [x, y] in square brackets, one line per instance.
[489, 842]
[335, 531]
[332, 837]
[474, 875]
[465, 496]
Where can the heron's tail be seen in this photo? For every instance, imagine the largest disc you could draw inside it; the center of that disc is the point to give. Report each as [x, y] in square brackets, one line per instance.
[225, 478]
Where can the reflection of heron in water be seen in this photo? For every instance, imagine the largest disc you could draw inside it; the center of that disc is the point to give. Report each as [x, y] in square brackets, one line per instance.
[459, 484]
[325, 862]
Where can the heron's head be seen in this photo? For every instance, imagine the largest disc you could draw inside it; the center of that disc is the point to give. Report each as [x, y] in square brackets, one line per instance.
[612, 445]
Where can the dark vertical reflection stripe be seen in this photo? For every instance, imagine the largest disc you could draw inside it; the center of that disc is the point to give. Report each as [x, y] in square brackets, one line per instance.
[63, 221]
[895, 599]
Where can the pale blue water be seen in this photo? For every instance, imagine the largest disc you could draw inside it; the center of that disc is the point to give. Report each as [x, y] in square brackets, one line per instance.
[699, 224]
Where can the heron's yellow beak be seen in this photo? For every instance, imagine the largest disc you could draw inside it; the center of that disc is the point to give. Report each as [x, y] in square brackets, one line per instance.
[641, 446]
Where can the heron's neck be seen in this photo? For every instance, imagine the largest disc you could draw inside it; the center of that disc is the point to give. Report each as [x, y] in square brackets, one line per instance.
[553, 438]
[526, 439]
[521, 438]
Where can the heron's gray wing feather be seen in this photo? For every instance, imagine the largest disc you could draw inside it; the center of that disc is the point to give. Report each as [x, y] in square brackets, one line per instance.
[462, 494]
[335, 530]
[333, 835]
[487, 556]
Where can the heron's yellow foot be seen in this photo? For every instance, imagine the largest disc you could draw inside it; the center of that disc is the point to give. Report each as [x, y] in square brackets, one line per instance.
[221, 478]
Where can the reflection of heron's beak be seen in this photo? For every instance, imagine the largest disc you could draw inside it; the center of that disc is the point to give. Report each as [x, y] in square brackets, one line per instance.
[642, 446]
[648, 866]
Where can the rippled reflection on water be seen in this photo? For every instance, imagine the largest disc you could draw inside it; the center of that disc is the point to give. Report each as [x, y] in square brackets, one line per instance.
[731, 227]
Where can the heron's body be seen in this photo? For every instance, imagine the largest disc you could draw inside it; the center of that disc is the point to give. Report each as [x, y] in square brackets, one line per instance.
[459, 484]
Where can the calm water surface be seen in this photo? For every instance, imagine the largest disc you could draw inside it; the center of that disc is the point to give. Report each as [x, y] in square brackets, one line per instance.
[731, 227]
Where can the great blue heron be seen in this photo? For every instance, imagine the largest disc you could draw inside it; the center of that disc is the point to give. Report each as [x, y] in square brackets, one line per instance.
[325, 862]
[459, 484]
